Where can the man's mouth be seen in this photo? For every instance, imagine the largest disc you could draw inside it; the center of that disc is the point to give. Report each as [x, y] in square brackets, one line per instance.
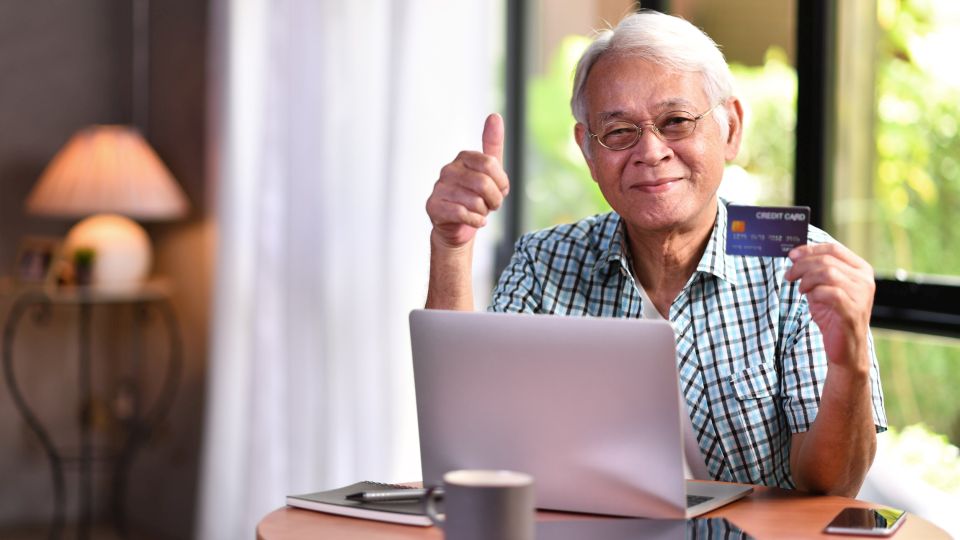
[659, 185]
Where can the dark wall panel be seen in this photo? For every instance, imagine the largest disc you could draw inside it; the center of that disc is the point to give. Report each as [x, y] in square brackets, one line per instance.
[65, 64]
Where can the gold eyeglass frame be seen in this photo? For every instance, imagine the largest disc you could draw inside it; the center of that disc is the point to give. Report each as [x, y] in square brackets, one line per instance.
[655, 129]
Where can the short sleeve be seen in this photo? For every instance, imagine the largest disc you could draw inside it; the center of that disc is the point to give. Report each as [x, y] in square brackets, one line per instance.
[518, 290]
[804, 371]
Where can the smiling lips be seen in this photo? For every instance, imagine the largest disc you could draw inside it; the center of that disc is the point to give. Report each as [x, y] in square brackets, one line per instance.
[657, 186]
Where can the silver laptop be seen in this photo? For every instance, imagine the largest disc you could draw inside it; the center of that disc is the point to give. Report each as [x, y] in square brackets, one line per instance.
[589, 406]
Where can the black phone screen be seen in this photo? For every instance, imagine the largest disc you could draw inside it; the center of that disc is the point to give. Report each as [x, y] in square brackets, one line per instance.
[871, 521]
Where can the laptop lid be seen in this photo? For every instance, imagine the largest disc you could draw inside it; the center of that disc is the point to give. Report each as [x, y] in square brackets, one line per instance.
[588, 406]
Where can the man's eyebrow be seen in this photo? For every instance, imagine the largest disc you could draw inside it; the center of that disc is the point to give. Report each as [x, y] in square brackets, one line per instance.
[607, 115]
[672, 104]
[675, 104]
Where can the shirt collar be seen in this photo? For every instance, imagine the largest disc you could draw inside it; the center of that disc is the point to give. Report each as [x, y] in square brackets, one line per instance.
[715, 261]
[612, 246]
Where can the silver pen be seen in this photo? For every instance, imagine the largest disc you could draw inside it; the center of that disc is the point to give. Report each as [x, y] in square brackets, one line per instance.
[388, 495]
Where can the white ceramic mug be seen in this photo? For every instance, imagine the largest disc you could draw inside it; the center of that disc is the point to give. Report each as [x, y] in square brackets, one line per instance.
[484, 504]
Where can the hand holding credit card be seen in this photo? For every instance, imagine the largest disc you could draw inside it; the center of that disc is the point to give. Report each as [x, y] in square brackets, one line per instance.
[766, 231]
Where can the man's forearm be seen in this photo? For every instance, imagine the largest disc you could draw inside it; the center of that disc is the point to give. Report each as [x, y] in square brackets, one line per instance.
[834, 456]
[451, 276]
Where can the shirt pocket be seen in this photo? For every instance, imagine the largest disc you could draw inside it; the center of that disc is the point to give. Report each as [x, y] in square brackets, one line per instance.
[755, 383]
[754, 420]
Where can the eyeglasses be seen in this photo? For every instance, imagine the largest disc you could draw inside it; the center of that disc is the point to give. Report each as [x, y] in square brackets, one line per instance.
[669, 126]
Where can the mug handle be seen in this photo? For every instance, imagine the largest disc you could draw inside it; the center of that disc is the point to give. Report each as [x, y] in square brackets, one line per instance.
[430, 505]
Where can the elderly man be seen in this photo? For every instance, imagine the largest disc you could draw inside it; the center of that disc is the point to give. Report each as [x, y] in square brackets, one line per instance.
[775, 356]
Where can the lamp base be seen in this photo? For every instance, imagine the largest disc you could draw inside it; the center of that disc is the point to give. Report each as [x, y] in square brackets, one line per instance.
[121, 254]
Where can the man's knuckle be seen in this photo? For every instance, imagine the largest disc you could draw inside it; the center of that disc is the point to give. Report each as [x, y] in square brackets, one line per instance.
[471, 203]
[478, 182]
[447, 171]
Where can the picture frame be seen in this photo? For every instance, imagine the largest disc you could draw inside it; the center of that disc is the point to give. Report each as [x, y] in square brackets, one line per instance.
[37, 260]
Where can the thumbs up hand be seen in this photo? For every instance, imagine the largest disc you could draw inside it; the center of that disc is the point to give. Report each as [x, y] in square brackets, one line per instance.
[470, 187]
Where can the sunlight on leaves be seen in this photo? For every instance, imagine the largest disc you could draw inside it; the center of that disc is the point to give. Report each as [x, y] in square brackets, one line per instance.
[926, 455]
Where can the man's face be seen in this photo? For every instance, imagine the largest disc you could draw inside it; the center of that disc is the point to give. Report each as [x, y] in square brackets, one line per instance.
[657, 185]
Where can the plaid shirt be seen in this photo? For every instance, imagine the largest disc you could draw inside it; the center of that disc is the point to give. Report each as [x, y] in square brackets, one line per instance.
[751, 360]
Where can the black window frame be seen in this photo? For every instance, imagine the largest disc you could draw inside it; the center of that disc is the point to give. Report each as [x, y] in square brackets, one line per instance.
[918, 304]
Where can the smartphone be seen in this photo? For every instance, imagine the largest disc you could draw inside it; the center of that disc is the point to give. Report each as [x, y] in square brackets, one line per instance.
[867, 521]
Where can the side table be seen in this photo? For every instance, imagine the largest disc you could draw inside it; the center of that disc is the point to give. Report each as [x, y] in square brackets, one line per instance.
[137, 420]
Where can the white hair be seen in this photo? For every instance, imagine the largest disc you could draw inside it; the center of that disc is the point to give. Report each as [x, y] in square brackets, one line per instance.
[663, 39]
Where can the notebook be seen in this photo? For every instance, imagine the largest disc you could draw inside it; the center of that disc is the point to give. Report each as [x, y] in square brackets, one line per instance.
[589, 406]
[334, 501]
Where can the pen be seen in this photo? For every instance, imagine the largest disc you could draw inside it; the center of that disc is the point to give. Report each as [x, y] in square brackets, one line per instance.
[388, 495]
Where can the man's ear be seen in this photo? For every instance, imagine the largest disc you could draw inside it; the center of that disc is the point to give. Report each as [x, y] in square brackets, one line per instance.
[584, 142]
[734, 128]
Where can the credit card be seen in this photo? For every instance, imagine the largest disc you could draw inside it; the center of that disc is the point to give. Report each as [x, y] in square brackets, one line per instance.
[766, 231]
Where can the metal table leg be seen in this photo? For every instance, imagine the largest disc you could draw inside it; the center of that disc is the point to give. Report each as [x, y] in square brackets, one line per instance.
[138, 426]
[20, 306]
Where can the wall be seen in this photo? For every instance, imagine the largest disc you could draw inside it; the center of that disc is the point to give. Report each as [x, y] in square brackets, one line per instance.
[739, 26]
[66, 64]
[552, 22]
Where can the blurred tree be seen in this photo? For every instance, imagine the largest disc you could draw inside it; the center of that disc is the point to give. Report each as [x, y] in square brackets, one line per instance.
[559, 188]
[917, 178]
[763, 171]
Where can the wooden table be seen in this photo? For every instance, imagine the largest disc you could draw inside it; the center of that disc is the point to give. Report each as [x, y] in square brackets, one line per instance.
[765, 513]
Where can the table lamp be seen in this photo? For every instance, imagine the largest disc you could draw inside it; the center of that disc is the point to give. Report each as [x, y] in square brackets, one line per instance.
[108, 174]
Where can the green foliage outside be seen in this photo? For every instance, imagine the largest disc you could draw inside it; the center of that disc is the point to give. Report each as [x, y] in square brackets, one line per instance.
[920, 380]
[925, 454]
[917, 186]
[763, 171]
[559, 188]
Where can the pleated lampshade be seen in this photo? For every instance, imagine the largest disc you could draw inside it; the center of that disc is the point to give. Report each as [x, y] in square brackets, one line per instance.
[108, 169]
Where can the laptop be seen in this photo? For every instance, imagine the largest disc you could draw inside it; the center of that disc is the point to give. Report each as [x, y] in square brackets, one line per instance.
[589, 406]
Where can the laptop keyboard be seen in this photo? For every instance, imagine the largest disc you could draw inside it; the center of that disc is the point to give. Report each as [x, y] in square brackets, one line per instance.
[693, 500]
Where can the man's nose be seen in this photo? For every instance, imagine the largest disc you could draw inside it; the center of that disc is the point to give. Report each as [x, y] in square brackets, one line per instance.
[650, 148]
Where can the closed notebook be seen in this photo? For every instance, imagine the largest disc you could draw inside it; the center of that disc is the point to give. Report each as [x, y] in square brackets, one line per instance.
[335, 501]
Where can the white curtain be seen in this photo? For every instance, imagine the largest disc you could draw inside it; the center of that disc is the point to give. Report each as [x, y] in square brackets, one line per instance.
[331, 120]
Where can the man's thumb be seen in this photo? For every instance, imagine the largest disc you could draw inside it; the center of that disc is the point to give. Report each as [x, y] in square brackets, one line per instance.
[493, 137]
